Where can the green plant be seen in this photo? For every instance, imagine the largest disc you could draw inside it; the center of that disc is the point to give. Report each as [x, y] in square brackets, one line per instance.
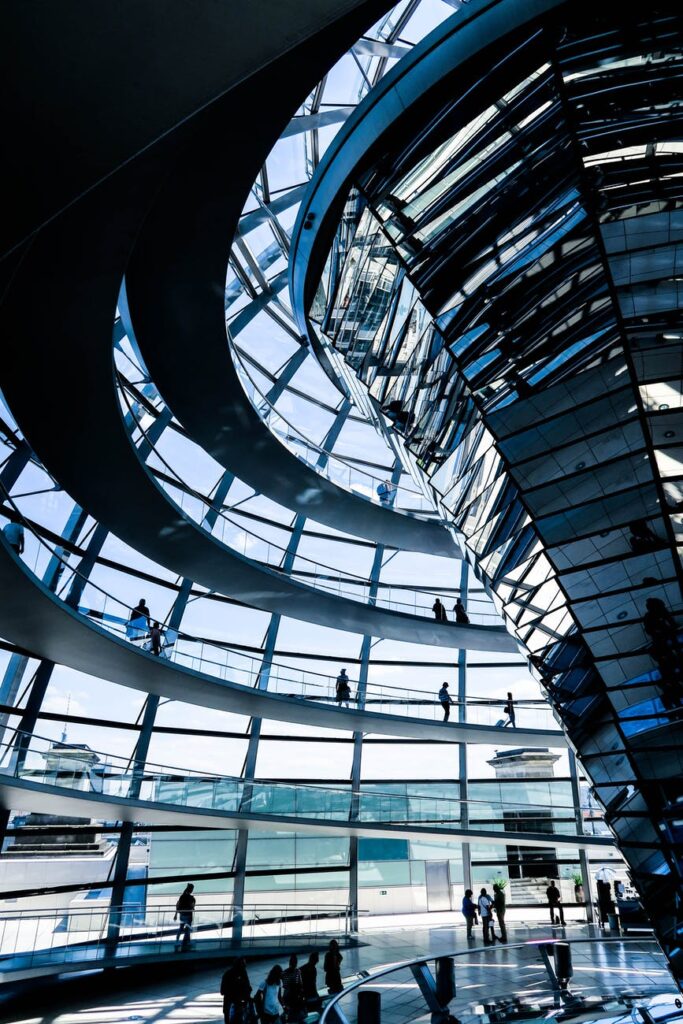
[500, 884]
[577, 879]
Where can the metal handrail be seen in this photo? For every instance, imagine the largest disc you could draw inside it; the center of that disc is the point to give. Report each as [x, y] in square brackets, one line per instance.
[332, 1013]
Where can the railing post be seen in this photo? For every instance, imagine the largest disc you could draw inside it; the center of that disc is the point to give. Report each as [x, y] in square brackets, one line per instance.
[369, 1007]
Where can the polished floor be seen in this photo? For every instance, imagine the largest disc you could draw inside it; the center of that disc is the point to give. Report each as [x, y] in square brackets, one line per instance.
[193, 997]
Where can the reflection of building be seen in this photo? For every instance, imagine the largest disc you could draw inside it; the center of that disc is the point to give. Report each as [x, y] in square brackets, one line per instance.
[528, 763]
[58, 846]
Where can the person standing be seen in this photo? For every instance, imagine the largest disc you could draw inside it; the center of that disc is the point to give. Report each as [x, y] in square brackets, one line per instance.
[236, 992]
[509, 710]
[138, 623]
[343, 689]
[155, 634]
[461, 616]
[445, 701]
[439, 611]
[269, 996]
[184, 910]
[499, 903]
[293, 991]
[332, 966]
[485, 904]
[555, 904]
[309, 978]
[469, 912]
[14, 535]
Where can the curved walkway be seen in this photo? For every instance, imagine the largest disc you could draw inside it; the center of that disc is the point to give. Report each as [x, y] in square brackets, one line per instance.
[40, 622]
[46, 798]
[179, 328]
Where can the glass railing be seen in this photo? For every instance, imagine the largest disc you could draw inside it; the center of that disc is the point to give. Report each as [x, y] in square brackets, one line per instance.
[235, 666]
[42, 761]
[601, 980]
[344, 472]
[317, 575]
[42, 937]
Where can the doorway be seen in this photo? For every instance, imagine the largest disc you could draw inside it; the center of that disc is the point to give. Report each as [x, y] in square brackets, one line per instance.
[438, 879]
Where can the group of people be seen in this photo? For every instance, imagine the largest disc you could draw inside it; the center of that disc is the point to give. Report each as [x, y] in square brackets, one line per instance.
[140, 625]
[485, 907]
[489, 908]
[286, 994]
[461, 616]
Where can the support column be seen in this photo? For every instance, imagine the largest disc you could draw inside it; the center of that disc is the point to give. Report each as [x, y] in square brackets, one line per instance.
[583, 854]
[462, 747]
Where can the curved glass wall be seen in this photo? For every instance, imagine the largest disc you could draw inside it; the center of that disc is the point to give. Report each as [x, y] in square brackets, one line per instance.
[90, 727]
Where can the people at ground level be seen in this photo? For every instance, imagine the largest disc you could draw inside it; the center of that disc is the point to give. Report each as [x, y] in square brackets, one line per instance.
[385, 492]
[155, 635]
[293, 991]
[439, 611]
[332, 967]
[138, 622]
[469, 912]
[509, 710]
[309, 980]
[14, 535]
[184, 914]
[343, 689]
[268, 997]
[555, 904]
[445, 701]
[499, 905]
[461, 615]
[485, 905]
[236, 992]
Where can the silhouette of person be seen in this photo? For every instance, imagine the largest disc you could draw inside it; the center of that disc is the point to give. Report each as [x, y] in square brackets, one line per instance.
[555, 904]
[184, 911]
[155, 634]
[343, 689]
[445, 701]
[439, 611]
[236, 992]
[309, 978]
[461, 616]
[332, 966]
[138, 623]
[509, 710]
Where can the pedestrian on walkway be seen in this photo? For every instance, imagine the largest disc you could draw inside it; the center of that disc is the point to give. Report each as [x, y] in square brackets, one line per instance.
[439, 611]
[445, 701]
[156, 638]
[509, 710]
[555, 904]
[332, 966]
[309, 978]
[461, 616]
[469, 912]
[499, 905]
[485, 904]
[138, 623]
[268, 997]
[184, 912]
[14, 535]
[236, 992]
[343, 689]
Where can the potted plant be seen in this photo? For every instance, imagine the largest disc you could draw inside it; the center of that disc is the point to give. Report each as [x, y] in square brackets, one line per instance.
[577, 878]
[499, 892]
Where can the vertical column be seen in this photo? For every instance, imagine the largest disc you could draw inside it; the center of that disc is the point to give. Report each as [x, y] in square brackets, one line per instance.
[583, 855]
[462, 747]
